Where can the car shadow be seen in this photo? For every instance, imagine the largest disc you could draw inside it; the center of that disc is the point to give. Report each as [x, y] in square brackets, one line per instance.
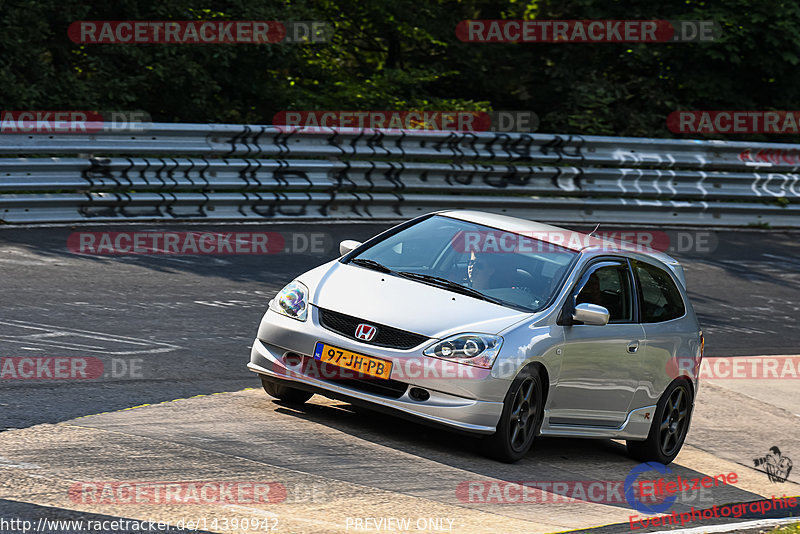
[551, 459]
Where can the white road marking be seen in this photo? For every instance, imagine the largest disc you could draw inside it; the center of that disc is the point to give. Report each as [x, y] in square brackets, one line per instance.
[49, 336]
[230, 303]
[5, 463]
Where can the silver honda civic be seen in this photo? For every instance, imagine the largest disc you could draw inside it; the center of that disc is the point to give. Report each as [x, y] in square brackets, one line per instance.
[496, 326]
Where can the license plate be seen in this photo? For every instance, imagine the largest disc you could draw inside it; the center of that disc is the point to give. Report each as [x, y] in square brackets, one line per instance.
[352, 360]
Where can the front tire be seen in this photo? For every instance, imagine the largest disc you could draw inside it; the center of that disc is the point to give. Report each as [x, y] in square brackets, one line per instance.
[283, 392]
[520, 420]
[669, 428]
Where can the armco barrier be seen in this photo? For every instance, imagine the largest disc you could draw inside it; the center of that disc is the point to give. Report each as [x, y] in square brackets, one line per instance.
[245, 172]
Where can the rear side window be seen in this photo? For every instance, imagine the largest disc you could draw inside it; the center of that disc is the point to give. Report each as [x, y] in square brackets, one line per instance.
[661, 299]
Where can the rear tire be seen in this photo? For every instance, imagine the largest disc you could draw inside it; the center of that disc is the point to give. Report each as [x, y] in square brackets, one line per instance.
[669, 428]
[283, 392]
[521, 418]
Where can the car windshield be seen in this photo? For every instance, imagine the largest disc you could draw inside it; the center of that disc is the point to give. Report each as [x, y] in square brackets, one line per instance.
[503, 267]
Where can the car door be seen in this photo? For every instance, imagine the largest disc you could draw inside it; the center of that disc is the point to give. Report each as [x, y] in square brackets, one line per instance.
[672, 335]
[599, 366]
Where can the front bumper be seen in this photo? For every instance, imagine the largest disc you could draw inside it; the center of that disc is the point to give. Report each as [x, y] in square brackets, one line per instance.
[465, 399]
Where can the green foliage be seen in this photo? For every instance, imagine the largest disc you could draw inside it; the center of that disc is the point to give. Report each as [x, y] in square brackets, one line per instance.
[787, 529]
[404, 54]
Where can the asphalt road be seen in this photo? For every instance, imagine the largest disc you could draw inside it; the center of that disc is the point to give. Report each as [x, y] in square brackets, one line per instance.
[161, 328]
[336, 465]
[175, 326]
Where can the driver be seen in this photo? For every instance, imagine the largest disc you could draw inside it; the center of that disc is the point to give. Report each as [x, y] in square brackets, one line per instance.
[591, 292]
[479, 271]
[488, 271]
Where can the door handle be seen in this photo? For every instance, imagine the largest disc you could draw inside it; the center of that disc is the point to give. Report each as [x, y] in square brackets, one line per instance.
[633, 346]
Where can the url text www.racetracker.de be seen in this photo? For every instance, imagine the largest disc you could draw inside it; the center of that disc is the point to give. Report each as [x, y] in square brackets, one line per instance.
[192, 524]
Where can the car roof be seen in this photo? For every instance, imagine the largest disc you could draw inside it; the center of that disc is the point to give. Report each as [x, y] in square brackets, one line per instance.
[569, 239]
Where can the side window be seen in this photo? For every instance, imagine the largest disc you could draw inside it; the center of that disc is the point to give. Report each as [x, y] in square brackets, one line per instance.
[610, 287]
[661, 299]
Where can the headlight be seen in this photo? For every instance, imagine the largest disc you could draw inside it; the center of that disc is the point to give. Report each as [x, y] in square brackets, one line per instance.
[479, 350]
[292, 301]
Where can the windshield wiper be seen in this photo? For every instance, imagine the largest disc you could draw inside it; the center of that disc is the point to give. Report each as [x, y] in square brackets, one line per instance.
[449, 284]
[371, 264]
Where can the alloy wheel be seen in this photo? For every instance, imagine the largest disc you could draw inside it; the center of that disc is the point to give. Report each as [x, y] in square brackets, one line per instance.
[523, 414]
[673, 424]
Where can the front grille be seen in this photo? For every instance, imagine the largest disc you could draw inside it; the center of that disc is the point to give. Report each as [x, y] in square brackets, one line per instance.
[392, 389]
[387, 336]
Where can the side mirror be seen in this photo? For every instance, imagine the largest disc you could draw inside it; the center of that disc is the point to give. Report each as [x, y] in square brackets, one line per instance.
[348, 245]
[590, 314]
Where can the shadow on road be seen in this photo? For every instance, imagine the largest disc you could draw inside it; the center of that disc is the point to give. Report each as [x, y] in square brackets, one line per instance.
[551, 459]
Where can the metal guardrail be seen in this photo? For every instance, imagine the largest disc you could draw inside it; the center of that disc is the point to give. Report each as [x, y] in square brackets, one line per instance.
[240, 172]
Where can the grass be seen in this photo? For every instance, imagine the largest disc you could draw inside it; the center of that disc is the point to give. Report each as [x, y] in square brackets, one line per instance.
[787, 529]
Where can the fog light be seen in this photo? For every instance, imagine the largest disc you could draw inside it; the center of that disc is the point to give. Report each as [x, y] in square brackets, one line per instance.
[292, 359]
[419, 394]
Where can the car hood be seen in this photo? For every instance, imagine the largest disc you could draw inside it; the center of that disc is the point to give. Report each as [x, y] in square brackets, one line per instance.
[406, 304]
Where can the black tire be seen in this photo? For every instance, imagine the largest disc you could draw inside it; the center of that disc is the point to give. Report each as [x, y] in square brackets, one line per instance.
[284, 392]
[521, 418]
[669, 428]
